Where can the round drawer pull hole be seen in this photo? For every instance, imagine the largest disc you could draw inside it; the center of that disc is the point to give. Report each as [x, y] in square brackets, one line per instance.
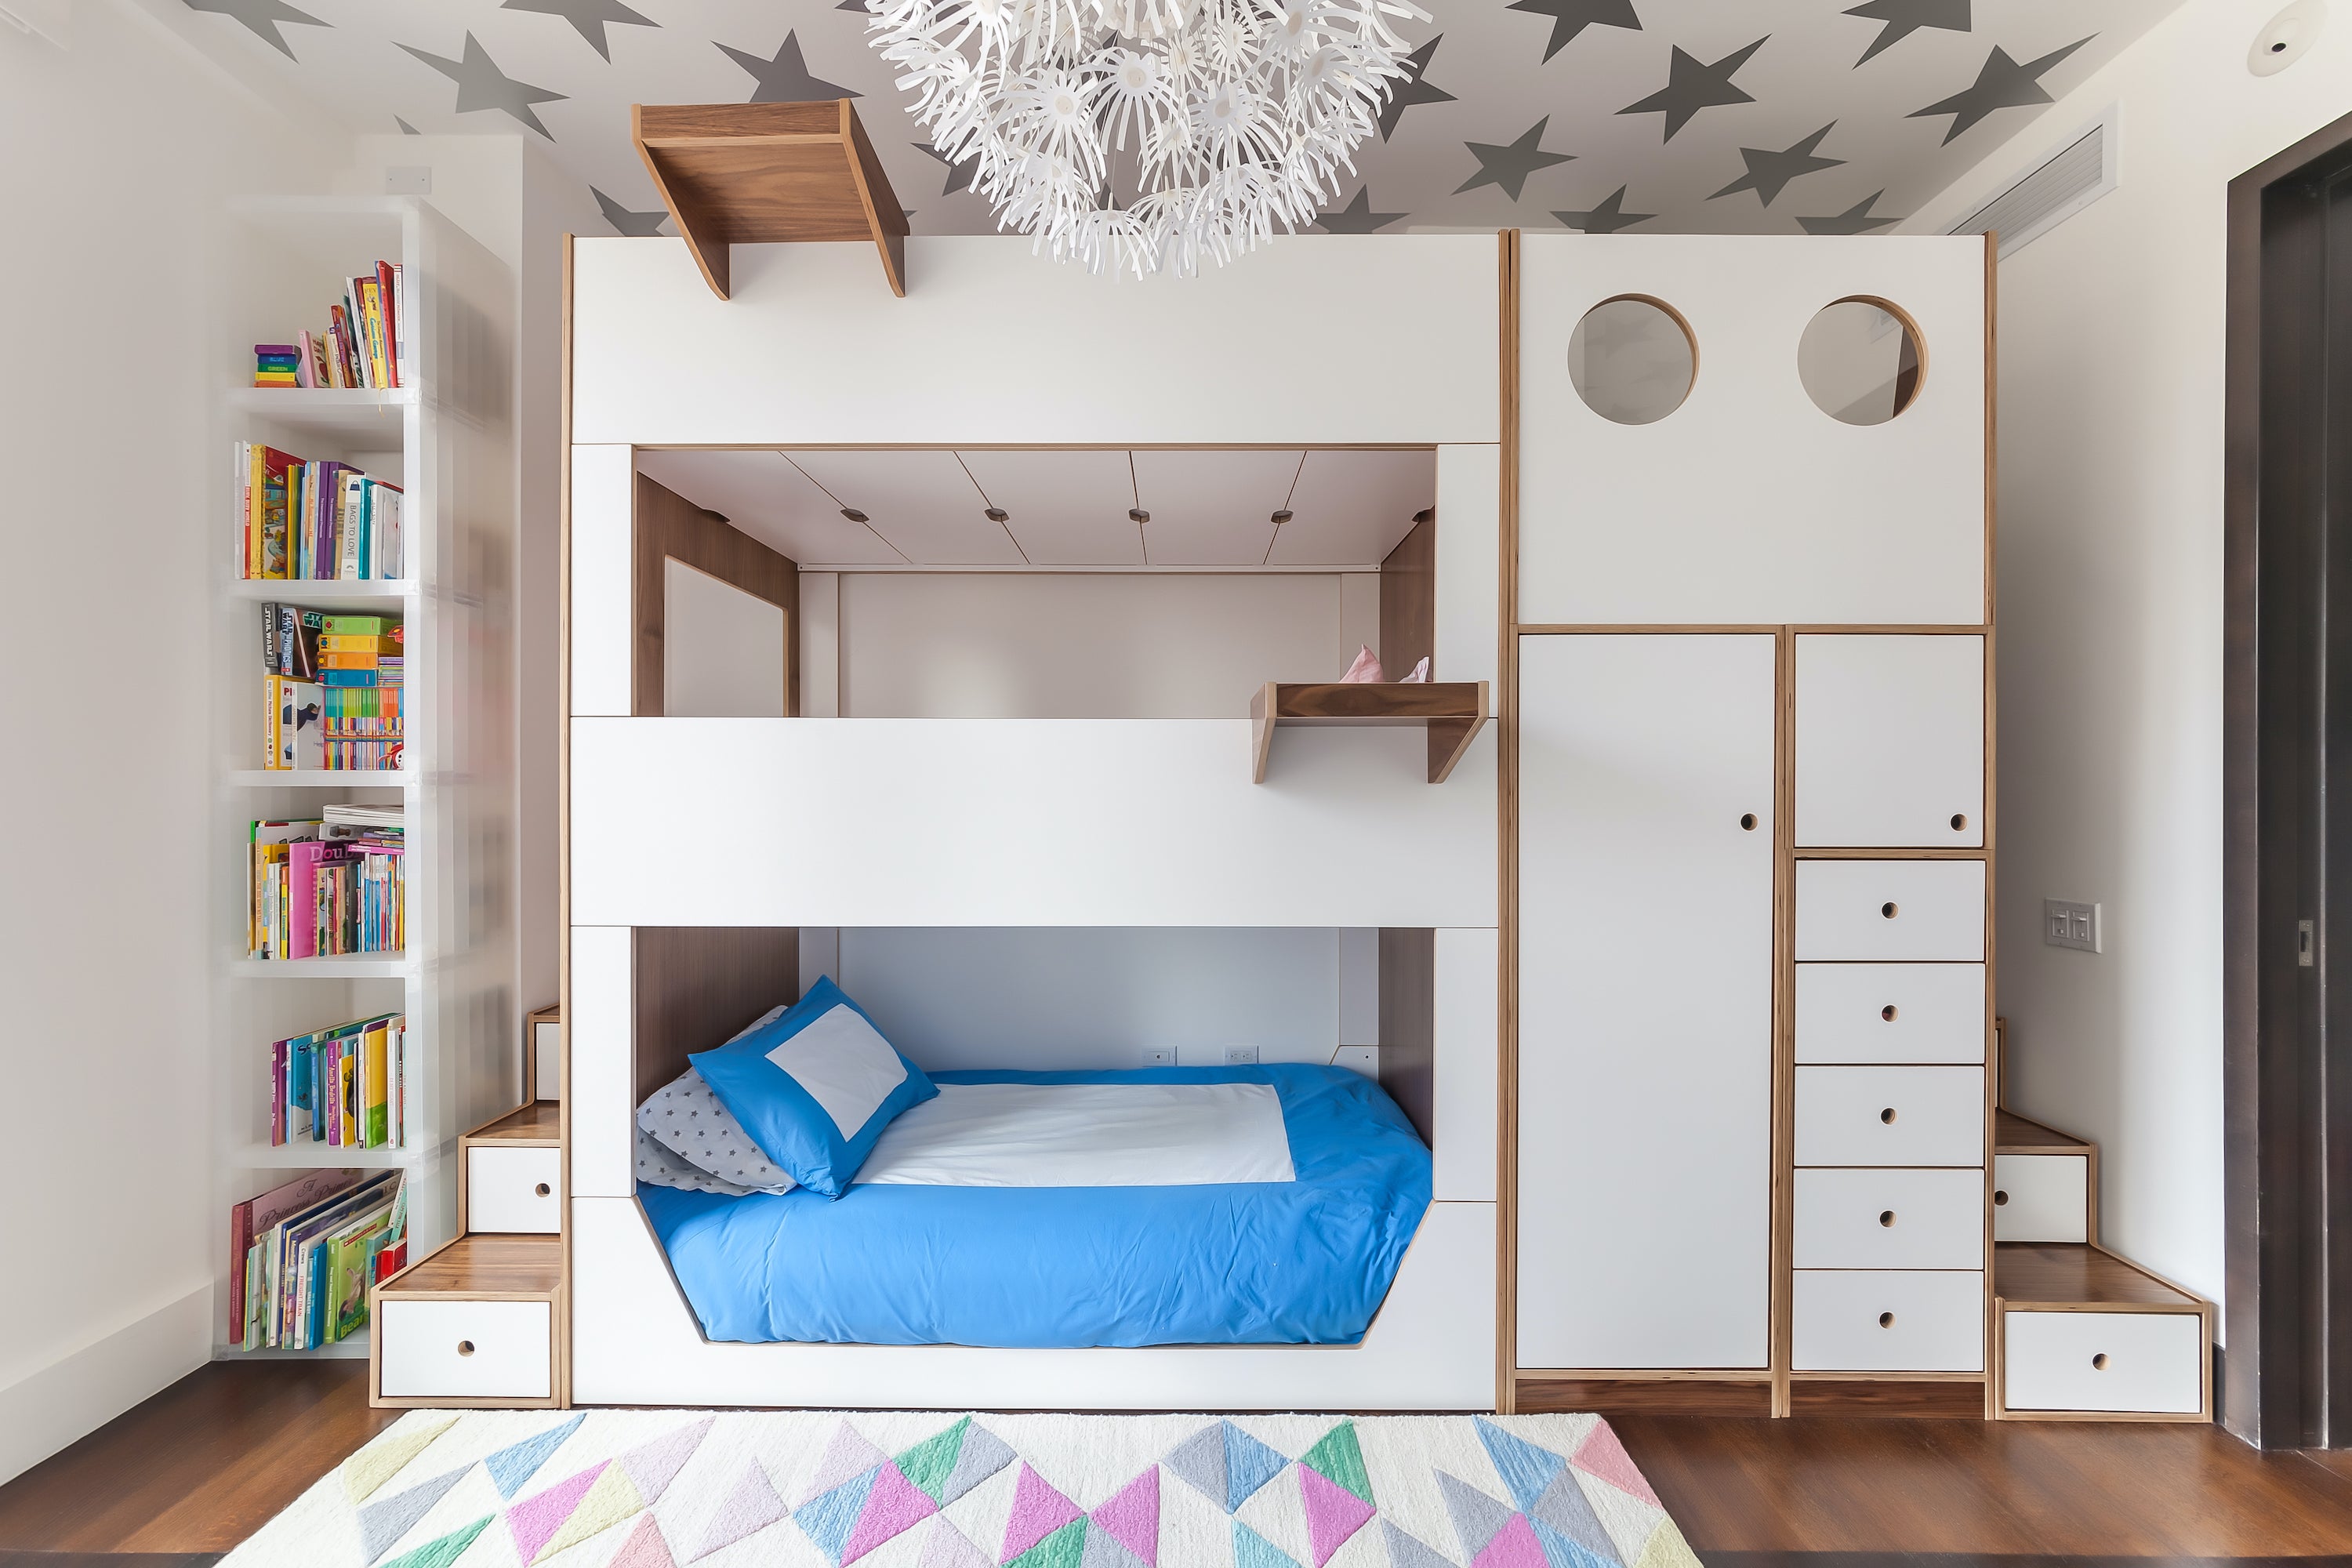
[1885, 1319]
[543, 1189]
[1889, 910]
[2099, 1362]
[1959, 822]
[1887, 1116]
[1887, 1216]
[1887, 1012]
[465, 1347]
[1747, 822]
[1999, 1198]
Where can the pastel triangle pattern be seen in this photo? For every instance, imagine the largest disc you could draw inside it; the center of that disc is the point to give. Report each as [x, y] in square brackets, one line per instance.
[750, 1507]
[1476, 1517]
[1559, 1552]
[1130, 1516]
[1513, 1546]
[1564, 1508]
[644, 1548]
[389, 1455]
[1603, 1456]
[930, 1462]
[447, 1548]
[1525, 1469]
[1405, 1551]
[947, 1547]
[829, 1519]
[982, 1455]
[534, 1521]
[651, 1467]
[1333, 1512]
[846, 1457]
[516, 1463]
[1038, 1511]
[1105, 1549]
[1199, 1461]
[386, 1520]
[1249, 1464]
[613, 1499]
[894, 1505]
[1062, 1548]
[1338, 1457]
[1252, 1550]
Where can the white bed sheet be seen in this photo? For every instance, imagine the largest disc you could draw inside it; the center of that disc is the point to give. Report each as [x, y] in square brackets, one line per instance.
[1086, 1135]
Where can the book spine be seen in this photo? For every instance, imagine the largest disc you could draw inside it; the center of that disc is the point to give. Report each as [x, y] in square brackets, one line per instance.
[277, 1106]
[240, 1244]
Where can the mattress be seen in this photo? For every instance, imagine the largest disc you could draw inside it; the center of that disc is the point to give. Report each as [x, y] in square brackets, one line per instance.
[1172, 1205]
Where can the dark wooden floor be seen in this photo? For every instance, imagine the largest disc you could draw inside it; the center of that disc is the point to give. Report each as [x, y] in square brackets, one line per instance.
[192, 1471]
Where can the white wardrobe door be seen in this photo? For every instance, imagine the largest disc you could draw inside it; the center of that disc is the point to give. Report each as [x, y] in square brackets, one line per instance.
[1645, 1000]
[1890, 741]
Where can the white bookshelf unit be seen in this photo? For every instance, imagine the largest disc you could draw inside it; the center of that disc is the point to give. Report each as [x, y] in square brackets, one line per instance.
[449, 441]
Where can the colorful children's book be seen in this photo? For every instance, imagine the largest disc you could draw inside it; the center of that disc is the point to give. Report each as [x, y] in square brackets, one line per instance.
[256, 1216]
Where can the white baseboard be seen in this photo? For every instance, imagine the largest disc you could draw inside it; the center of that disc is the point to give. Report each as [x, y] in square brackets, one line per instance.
[75, 1396]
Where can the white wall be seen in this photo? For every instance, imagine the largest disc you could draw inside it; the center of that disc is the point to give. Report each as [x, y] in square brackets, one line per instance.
[1018, 645]
[2111, 353]
[116, 267]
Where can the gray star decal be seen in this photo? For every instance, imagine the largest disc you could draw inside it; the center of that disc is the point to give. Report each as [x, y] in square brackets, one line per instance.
[1769, 173]
[260, 18]
[1692, 85]
[637, 225]
[1855, 219]
[1607, 219]
[588, 18]
[959, 174]
[2001, 84]
[1569, 17]
[405, 128]
[1904, 17]
[1414, 89]
[1357, 216]
[1509, 166]
[786, 79]
[481, 84]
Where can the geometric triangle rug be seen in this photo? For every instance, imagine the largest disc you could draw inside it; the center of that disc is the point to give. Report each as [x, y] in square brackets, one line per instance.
[698, 1489]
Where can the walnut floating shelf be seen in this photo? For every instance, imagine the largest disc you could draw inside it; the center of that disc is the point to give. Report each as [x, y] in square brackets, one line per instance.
[764, 173]
[1452, 711]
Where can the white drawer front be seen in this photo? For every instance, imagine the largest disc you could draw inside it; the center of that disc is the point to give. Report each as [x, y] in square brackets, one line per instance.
[2041, 1198]
[1890, 1116]
[1890, 1219]
[1851, 1319]
[2148, 1362]
[1890, 1012]
[1890, 741]
[465, 1350]
[1891, 909]
[514, 1190]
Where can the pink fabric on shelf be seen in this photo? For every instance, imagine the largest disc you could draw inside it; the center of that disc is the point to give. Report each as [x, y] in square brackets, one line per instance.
[1420, 676]
[1365, 670]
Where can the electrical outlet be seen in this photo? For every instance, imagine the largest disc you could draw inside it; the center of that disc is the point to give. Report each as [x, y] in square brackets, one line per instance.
[1158, 1057]
[1241, 1056]
[408, 180]
[2068, 924]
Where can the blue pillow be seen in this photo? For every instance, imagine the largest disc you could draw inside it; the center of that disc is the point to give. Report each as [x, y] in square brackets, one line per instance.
[815, 1088]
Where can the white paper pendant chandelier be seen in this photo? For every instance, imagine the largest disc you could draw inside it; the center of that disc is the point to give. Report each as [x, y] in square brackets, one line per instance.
[1145, 134]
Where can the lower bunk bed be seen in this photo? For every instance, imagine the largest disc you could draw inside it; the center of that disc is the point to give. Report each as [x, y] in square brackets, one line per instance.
[1233, 1239]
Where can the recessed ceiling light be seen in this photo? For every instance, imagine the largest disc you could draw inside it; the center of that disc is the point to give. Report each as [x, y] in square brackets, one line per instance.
[1137, 514]
[997, 514]
[853, 514]
[1280, 517]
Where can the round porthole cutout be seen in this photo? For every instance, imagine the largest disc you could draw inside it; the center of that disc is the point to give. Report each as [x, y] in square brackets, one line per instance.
[1862, 360]
[1633, 359]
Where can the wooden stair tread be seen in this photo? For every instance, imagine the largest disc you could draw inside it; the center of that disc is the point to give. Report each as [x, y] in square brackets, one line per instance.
[2014, 1135]
[541, 1121]
[2035, 1273]
[484, 1266]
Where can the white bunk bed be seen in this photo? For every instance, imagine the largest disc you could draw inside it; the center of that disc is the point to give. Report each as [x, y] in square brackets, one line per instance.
[827, 822]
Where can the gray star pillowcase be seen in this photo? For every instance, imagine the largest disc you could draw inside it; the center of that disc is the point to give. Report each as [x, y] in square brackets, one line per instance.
[690, 1122]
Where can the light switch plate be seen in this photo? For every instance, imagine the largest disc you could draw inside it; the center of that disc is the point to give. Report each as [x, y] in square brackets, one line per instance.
[2065, 923]
[408, 180]
[1241, 1056]
[1157, 1057]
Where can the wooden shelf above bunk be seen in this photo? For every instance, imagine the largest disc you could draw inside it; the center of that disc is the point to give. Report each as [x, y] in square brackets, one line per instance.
[764, 173]
[1452, 711]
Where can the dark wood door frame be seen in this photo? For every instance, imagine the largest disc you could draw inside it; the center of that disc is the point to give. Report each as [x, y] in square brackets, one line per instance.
[2287, 833]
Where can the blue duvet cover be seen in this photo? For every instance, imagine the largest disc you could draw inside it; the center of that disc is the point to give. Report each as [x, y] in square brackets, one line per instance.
[1300, 1262]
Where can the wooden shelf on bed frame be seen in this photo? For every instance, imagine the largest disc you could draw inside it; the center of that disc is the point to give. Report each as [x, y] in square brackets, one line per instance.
[1452, 711]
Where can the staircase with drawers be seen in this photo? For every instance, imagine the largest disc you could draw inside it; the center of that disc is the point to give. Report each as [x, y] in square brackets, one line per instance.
[2079, 1334]
[480, 1321]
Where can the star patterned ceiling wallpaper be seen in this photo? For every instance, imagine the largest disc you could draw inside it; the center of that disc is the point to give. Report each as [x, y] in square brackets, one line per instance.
[1691, 116]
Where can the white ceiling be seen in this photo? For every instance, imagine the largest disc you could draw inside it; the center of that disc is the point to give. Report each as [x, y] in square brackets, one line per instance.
[1670, 115]
[1063, 509]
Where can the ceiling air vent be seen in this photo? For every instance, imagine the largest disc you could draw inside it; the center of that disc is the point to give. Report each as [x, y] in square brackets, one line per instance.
[2065, 182]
